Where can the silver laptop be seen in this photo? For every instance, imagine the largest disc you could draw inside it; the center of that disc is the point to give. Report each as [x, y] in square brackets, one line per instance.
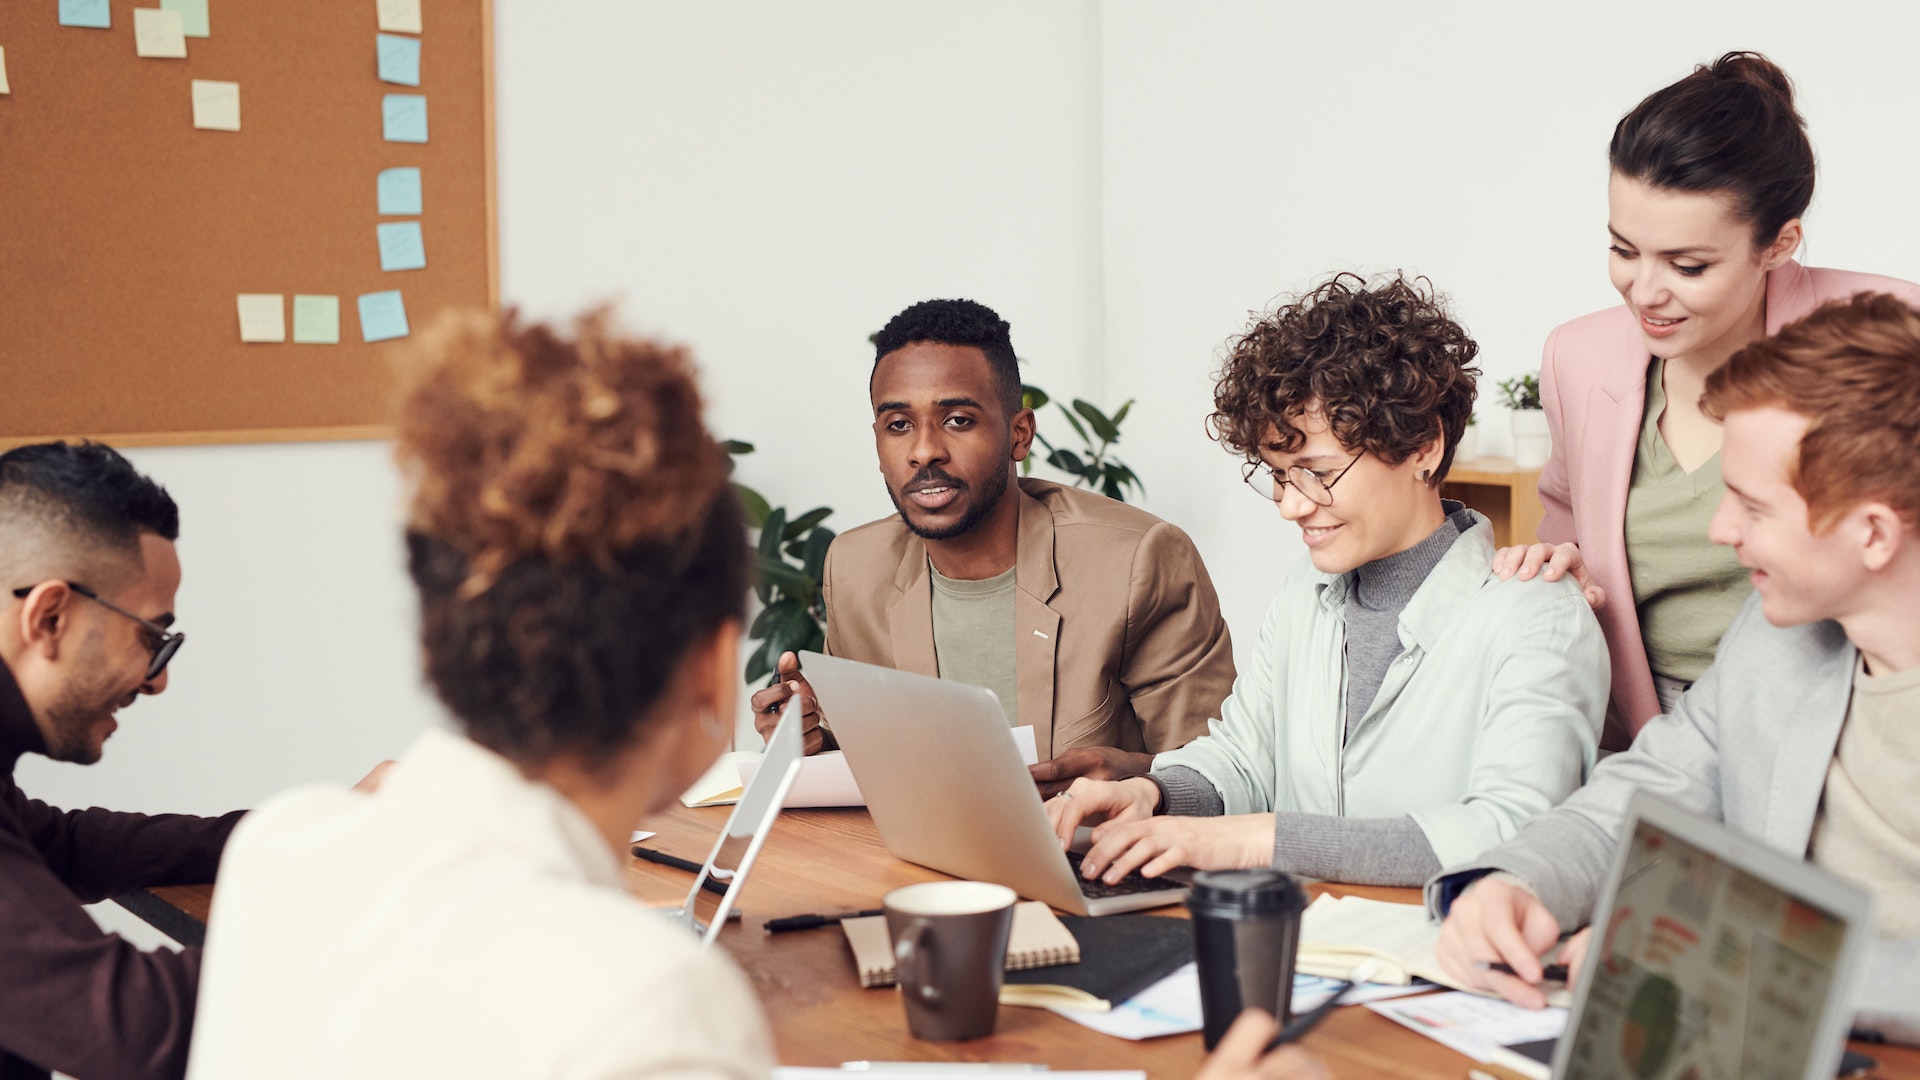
[947, 789]
[748, 825]
[1714, 955]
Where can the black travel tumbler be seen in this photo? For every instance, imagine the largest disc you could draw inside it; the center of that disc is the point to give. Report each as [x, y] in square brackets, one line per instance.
[1246, 932]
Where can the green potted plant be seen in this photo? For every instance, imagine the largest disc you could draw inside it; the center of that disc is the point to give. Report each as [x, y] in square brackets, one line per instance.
[1530, 441]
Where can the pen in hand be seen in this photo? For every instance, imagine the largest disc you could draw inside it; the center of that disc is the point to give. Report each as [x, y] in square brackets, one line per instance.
[1299, 1026]
[1548, 972]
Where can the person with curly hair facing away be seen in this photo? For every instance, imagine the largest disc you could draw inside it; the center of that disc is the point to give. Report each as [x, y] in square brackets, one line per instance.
[581, 568]
[581, 564]
[1404, 709]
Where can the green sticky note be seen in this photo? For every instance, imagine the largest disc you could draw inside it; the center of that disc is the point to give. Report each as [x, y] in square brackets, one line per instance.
[404, 117]
[193, 15]
[383, 316]
[399, 59]
[93, 13]
[316, 320]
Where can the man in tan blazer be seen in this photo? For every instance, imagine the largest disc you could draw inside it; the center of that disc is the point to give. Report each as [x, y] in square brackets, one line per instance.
[1092, 620]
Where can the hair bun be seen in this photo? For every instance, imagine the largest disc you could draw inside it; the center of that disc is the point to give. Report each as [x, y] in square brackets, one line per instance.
[521, 443]
[1755, 70]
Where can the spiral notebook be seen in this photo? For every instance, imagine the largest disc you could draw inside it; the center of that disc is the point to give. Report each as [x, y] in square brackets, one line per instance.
[1037, 940]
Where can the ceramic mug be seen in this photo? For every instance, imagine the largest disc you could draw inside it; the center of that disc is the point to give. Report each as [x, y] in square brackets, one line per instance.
[949, 953]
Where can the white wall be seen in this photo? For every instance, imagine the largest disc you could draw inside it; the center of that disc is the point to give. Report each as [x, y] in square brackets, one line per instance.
[1124, 181]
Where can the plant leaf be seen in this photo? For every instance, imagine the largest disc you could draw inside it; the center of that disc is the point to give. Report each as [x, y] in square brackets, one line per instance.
[754, 503]
[1067, 461]
[1032, 397]
[814, 561]
[799, 526]
[758, 666]
[735, 446]
[789, 629]
[1102, 426]
[1121, 415]
[792, 583]
[772, 532]
[1075, 421]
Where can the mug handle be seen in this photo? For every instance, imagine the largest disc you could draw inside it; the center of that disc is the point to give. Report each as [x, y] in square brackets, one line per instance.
[913, 962]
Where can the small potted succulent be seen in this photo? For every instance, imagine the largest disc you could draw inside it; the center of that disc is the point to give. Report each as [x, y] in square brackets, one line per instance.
[1530, 442]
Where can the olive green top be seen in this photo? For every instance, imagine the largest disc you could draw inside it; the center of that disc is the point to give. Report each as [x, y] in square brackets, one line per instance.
[1685, 587]
[973, 634]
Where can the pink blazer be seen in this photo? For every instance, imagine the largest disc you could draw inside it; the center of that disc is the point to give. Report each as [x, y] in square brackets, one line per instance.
[1593, 382]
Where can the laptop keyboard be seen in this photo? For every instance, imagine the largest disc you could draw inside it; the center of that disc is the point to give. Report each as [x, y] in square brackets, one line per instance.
[1133, 883]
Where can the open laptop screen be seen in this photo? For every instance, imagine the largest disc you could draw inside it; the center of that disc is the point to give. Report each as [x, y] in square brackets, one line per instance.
[1703, 969]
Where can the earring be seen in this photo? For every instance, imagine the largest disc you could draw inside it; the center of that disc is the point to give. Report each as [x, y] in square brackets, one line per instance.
[1424, 473]
[711, 724]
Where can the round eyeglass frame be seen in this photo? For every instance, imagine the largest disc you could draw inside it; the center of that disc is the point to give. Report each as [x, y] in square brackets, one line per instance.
[1272, 485]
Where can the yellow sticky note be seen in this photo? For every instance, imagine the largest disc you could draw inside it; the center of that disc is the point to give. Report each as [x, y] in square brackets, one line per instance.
[159, 33]
[263, 317]
[4, 88]
[216, 105]
[402, 16]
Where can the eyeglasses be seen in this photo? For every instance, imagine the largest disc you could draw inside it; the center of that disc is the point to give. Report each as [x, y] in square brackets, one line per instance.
[163, 643]
[1273, 485]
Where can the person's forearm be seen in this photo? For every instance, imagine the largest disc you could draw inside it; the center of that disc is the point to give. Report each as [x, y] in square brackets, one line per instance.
[1358, 851]
[1186, 793]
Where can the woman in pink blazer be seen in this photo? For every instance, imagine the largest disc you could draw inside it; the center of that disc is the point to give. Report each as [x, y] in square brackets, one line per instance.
[1710, 178]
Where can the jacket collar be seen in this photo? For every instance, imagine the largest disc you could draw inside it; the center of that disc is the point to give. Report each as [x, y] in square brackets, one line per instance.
[18, 733]
[1438, 603]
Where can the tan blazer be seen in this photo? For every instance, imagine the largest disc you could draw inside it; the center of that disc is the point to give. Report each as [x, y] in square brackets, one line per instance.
[1121, 642]
[1593, 382]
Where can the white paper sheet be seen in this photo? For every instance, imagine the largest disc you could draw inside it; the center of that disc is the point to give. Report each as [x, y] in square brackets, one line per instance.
[1172, 1005]
[826, 780]
[1471, 1024]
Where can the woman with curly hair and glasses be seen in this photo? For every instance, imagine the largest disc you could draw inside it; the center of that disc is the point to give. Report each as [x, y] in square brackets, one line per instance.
[1404, 709]
[581, 565]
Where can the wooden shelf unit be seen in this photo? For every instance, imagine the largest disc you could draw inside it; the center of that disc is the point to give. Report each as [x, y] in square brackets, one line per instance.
[1509, 497]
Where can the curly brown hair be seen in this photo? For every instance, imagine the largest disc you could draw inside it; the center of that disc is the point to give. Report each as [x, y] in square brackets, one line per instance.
[571, 530]
[1387, 366]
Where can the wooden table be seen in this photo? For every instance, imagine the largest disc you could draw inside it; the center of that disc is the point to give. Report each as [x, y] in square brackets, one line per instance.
[832, 860]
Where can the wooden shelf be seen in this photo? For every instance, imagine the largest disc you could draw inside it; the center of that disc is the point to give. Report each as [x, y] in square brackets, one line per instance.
[1509, 497]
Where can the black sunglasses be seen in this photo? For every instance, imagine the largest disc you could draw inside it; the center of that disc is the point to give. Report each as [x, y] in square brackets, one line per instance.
[162, 641]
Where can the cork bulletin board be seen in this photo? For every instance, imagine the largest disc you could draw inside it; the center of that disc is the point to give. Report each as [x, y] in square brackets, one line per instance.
[131, 235]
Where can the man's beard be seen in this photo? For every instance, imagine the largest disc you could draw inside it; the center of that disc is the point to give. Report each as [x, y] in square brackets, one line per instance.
[72, 718]
[990, 492]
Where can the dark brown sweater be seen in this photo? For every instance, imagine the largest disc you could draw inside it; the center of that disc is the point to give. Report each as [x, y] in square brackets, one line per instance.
[73, 997]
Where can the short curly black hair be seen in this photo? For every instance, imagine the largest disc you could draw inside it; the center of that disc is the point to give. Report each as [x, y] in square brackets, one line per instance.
[957, 322]
[91, 486]
[1383, 361]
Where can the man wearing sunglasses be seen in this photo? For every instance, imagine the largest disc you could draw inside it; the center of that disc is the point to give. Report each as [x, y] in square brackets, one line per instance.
[87, 579]
[1405, 708]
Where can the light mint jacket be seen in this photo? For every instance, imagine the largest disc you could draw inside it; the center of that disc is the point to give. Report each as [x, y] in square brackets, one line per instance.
[1490, 715]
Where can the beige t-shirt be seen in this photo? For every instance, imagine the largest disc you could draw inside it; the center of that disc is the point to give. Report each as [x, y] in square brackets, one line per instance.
[1868, 828]
[1686, 588]
[973, 634]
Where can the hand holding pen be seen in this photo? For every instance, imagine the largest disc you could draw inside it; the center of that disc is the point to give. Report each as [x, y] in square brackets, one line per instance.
[768, 703]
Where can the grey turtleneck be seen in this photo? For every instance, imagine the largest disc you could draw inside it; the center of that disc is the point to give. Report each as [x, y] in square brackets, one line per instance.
[1361, 851]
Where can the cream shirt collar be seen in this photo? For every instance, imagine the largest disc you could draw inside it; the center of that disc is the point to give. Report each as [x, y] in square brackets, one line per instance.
[477, 792]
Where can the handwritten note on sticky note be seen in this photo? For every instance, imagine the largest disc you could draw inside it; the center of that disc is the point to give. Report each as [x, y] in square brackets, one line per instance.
[216, 105]
[4, 88]
[316, 320]
[400, 191]
[399, 59]
[400, 15]
[401, 246]
[263, 317]
[85, 13]
[405, 117]
[159, 33]
[383, 316]
[193, 16]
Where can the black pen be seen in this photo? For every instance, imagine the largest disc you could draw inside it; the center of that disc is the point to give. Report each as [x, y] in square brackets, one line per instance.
[1298, 1027]
[677, 863]
[809, 922]
[1548, 972]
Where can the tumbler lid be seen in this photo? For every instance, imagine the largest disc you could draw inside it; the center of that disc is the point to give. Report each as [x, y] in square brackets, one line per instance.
[1245, 894]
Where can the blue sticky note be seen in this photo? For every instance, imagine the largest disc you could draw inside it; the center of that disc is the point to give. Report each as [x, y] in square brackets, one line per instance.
[400, 191]
[405, 117]
[400, 60]
[85, 13]
[383, 316]
[193, 16]
[401, 246]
